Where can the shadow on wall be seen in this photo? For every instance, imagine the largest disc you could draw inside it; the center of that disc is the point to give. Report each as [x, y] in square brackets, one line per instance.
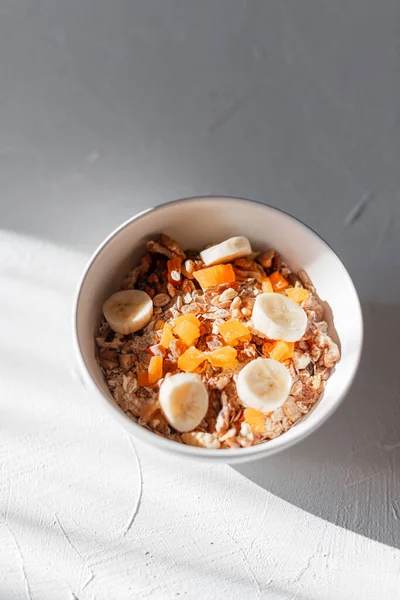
[348, 472]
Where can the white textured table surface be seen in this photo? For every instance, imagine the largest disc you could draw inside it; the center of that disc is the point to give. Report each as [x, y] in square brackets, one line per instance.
[85, 514]
[107, 108]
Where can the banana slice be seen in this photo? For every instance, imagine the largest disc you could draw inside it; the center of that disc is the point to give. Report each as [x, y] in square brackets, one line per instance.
[263, 384]
[184, 401]
[279, 318]
[128, 311]
[235, 247]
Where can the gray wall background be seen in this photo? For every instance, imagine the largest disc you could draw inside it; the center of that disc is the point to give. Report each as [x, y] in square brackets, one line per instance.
[107, 107]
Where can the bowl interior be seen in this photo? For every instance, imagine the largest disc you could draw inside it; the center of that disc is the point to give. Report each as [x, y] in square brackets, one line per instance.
[200, 221]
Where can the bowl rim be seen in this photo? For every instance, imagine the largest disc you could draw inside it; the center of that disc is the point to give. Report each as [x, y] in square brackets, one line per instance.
[223, 455]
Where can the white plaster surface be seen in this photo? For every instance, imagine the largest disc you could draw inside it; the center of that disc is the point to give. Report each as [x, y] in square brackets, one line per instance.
[85, 514]
[107, 108]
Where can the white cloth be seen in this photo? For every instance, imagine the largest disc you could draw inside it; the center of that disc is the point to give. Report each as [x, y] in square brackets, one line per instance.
[84, 515]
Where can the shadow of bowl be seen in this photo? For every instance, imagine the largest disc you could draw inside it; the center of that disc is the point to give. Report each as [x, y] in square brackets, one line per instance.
[348, 472]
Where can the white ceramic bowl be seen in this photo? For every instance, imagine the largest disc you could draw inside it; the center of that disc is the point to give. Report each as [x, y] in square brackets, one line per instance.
[195, 222]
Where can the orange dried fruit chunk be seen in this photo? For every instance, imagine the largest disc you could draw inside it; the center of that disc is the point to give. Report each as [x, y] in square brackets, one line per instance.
[278, 281]
[254, 418]
[282, 351]
[155, 369]
[266, 286]
[187, 332]
[143, 378]
[189, 317]
[174, 266]
[298, 294]
[215, 275]
[191, 359]
[234, 330]
[267, 347]
[224, 357]
[167, 336]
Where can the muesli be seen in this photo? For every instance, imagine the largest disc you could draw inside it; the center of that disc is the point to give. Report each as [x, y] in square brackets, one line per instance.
[223, 348]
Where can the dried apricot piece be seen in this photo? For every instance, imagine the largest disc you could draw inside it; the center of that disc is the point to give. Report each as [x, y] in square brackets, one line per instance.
[278, 281]
[169, 366]
[298, 294]
[143, 378]
[189, 317]
[167, 336]
[187, 332]
[254, 418]
[268, 346]
[155, 369]
[224, 357]
[215, 275]
[191, 359]
[174, 266]
[282, 351]
[234, 330]
[266, 286]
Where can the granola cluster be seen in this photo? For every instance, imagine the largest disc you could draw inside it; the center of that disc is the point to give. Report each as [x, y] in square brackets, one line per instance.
[166, 274]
